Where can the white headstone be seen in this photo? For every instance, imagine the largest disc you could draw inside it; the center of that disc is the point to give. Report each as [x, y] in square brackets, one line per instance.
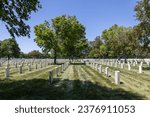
[142, 63]
[117, 77]
[134, 64]
[106, 72]
[129, 66]
[100, 68]
[29, 67]
[7, 72]
[140, 69]
[122, 65]
[20, 69]
[15, 65]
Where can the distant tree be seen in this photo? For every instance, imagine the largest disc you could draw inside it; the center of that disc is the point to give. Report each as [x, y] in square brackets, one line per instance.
[14, 13]
[35, 54]
[95, 47]
[10, 48]
[103, 51]
[23, 55]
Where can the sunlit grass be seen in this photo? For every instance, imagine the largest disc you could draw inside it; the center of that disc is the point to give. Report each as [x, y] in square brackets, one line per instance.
[78, 81]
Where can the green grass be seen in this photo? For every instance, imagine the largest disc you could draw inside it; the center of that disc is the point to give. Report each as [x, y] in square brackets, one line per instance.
[77, 82]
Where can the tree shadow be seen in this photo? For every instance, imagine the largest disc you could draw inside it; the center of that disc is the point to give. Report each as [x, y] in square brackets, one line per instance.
[146, 68]
[41, 89]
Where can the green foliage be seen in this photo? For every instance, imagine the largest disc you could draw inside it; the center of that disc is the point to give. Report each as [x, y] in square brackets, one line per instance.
[143, 11]
[15, 12]
[9, 48]
[82, 48]
[142, 30]
[95, 46]
[120, 41]
[35, 54]
[70, 32]
[103, 50]
[47, 39]
[65, 37]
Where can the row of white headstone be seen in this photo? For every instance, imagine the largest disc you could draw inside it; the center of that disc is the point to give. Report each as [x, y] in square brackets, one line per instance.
[57, 71]
[98, 67]
[7, 68]
[31, 61]
[116, 64]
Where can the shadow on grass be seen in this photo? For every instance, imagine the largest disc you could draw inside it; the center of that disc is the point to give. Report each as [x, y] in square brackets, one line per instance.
[146, 68]
[40, 89]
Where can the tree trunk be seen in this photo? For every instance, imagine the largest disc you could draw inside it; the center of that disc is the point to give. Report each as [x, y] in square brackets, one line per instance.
[8, 58]
[55, 57]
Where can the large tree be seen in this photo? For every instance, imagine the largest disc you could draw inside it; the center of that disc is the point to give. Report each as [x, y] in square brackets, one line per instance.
[142, 30]
[70, 31]
[14, 13]
[65, 37]
[120, 41]
[10, 48]
[47, 39]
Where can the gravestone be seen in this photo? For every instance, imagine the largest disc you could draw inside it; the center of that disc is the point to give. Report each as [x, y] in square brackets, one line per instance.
[36, 66]
[15, 65]
[100, 68]
[20, 69]
[117, 77]
[41, 65]
[142, 63]
[134, 64]
[6, 72]
[29, 67]
[129, 66]
[122, 65]
[50, 76]
[140, 69]
[106, 71]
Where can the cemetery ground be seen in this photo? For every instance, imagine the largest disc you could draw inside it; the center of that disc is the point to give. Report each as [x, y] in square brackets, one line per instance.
[77, 82]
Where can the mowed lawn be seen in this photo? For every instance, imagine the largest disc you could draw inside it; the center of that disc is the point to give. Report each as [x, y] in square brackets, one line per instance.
[77, 82]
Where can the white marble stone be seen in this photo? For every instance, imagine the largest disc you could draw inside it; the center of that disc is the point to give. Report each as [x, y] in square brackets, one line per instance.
[117, 77]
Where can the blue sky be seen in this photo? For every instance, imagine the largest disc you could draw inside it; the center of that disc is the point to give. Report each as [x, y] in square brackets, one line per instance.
[95, 15]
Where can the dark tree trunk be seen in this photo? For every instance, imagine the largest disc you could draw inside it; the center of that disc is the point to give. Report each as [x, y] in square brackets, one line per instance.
[55, 57]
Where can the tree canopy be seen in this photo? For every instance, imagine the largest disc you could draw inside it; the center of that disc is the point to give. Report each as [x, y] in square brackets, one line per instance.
[142, 30]
[71, 32]
[14, 13]
[64, 37]
[9, 48]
